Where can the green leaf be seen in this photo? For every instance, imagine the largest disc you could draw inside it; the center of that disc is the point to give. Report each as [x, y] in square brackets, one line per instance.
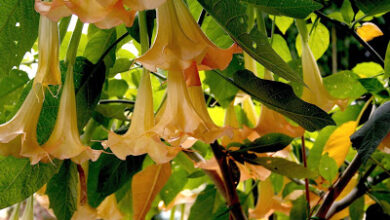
[231, 16]
[268, 143]
[387, 61]
[356, 209]
[279, 44]
[98, 43]
[372, 85]
[367, 138]
[117, 87]
[20, 180]
[283, 23]
[62, 191]
[318, 41]
[121, 65]
[204, 204]
[175, 184]
[291, 187]
[299, 209]
[373, 7]
[283, 167]
[114, 110]
[223, 91]
[347, 11]
[281, 98]
[108, 174]
[315, 153]
[344, 84]
[10, 89]
[18, 32]
[328, 168]
[367, 69]
[291, 8]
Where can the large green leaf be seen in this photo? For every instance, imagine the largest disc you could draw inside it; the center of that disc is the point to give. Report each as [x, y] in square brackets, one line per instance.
[108, 174]
[367, 138]
[283, 167]
[230, 14]
[175, 184]
[344, 84]
[18, 32]
[281, 98]
[372, 7]
[268, 143]
[99, 41]
[19, 180]
[291, 8]
[204, 205]
[62, 191]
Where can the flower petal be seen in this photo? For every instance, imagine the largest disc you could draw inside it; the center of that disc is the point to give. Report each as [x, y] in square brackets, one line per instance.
[55, 10]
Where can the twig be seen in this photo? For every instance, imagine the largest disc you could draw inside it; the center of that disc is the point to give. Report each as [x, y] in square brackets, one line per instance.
[307, 191]
[351, 31]
[233, 201]
[109, 101]
[338, 187]
[83, 185]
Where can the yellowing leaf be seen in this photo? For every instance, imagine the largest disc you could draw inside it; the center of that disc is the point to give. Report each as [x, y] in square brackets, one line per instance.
[369, 31]
[338, 143]
[145, 186]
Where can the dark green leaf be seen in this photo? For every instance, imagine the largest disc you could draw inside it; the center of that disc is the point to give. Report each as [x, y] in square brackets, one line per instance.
[62, 191]
[230, 14]
[203, 207]
[268, 143]
[299, 209]
[372, 85]
[281, 98]
[108, 174]
[134, 30]
[283, 167]
[20, 180]
[368, 137]
[387, 61]
[175, 184]
[291, 8]
[372, 7]
[98, 43]
[114, 110]
[356, 209]
[18, 32]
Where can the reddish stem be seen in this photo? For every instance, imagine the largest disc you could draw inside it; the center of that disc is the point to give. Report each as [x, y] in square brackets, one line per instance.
[83, 185]
[306, 180]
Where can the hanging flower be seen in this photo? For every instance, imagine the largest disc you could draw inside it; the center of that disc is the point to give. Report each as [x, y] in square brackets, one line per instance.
[18, 136]
[315, 92]
[140, 5]
[64, 142]
[138, 139]
[104, 14]
[180, 41]
[195, 92]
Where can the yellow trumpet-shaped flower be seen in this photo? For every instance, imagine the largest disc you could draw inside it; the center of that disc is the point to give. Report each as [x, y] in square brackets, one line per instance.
[140, 5]
[315, 92]
[178, 118]
[18, 137]
[198, 101]
[64, 142]
[180, 41]
[138, 139]
[48, 47]
[103, 13]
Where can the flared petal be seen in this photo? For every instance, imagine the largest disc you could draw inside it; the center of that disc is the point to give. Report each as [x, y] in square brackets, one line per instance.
[315, 92]
[138, 140]
[180, 41]
[140, 5]
[64, 142]
[54, 10]
[117, 15]
[108, 209]
[18, 137]
[48, 53]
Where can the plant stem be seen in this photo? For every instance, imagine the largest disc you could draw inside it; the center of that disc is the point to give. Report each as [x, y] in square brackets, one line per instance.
[122, 101]
[71, 53]
[83, 185]
[334, 50]
[338, 187]
[307, 191]
[233, 201]
[351, 31]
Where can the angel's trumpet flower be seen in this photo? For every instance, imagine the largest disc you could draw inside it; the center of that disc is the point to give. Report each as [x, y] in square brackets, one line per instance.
[180, 41]
[315, 92]
[273, 122]
[18, 136]
[198, 101]
[138, 140]
[64, 142]
[103, 13]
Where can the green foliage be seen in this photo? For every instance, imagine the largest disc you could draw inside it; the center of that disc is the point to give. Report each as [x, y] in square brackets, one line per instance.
[328, 168]
[62, 191]
[280, 97]
[204, 205]
[356, 210]
[367, 138]
[268, 143]
[254, 43]
[291, 8]
[99, 41]
[344, 84]
[19, 179]
[18, 32]
[373, 7]
[318, 41]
